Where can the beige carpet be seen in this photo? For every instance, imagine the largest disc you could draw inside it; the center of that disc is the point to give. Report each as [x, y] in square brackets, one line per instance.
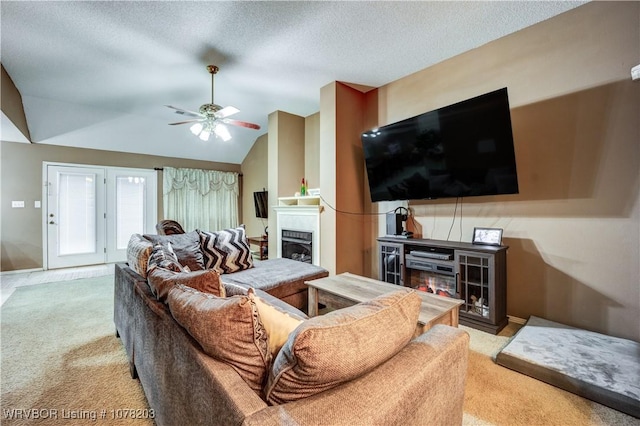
[60, 356]
[61, 362]
[495, 395]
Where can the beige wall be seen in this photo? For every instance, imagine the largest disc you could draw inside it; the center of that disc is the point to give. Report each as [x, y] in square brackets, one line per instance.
[312, 150]
[255, 177]
[286, 161]
[21, 179]
[328, 185]
[573, 230]
[278, 161]
[11, 103]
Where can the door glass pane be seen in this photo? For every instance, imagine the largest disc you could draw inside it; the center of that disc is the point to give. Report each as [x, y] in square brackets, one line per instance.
[77, 213]
[130, 208]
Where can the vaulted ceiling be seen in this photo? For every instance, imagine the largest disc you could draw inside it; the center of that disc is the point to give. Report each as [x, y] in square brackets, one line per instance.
[98, 74]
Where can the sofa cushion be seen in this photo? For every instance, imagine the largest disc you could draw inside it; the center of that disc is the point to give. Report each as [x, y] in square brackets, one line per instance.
[186, 247]
[138, 252]
[280, 277]
[228, 329]
[161, 280]
[278, 322]
[331, 349]
[227, 250]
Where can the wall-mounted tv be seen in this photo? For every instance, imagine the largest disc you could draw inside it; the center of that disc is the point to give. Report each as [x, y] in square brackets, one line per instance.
[461, 150]
[260, 202]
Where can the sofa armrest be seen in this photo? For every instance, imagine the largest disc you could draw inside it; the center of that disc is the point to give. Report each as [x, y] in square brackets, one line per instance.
[422, 384]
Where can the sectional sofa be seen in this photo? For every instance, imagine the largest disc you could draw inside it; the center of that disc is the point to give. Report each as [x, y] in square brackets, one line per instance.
[203, 345]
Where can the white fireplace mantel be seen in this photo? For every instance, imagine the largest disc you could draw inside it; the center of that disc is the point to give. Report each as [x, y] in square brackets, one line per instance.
[299, 214]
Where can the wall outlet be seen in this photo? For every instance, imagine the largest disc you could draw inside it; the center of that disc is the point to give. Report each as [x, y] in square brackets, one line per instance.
[37, 204]
[635, 73]
[17, 204]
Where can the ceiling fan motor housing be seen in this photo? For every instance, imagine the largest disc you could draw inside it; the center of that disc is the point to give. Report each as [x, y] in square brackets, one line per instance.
[209, 109]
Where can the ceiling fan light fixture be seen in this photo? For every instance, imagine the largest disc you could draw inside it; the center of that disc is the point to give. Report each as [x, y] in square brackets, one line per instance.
[222, 132]
[204, 135]
[196, 129]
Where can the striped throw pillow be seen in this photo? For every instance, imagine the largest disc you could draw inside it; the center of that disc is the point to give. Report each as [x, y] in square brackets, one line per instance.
[226, 251]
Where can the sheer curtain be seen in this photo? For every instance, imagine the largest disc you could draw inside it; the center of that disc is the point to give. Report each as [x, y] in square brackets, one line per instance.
[201, 199]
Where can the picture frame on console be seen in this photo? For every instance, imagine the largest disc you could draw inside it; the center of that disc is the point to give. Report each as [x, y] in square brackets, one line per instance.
[487, 236]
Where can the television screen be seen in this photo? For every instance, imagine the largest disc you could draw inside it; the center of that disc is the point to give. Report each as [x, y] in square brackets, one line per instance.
[260, 201]
[461, 150]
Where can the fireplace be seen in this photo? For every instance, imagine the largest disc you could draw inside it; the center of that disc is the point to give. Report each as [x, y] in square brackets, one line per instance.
[298, 220]
[436, 276]
[297, 245]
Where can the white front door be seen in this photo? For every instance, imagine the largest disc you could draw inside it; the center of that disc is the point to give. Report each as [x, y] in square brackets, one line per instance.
[91, 213]
[75, 216]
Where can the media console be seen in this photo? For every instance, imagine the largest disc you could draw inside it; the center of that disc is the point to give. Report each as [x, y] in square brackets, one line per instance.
[477, 274]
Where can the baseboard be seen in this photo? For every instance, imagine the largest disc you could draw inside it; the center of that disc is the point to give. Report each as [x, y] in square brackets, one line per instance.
[21, 271]
[517, 320]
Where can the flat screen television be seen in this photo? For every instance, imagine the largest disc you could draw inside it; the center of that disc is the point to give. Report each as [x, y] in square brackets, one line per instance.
[260, 201]
[461, 150]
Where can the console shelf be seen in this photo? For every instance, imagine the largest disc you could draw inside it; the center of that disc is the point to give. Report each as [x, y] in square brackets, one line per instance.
[477, 274]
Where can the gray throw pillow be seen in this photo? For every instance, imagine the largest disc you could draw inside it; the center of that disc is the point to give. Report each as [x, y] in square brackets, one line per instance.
[162, 256]
[186, 247]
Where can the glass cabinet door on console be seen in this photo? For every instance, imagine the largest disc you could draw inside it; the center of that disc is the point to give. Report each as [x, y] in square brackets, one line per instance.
[482, 286]
[391, 262]
[475, 277]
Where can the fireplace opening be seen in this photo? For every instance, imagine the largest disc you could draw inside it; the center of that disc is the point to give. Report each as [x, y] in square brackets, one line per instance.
[297, 245]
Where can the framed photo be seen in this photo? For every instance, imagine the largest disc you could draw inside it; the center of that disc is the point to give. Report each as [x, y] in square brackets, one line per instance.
[487, 236]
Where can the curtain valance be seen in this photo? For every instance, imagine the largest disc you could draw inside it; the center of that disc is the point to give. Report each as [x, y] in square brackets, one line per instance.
[202, 181]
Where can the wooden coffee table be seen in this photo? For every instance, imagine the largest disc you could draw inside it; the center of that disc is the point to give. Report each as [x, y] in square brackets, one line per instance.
[340, 291]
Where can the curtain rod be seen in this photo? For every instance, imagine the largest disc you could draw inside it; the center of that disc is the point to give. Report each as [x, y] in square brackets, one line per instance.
[162, 168]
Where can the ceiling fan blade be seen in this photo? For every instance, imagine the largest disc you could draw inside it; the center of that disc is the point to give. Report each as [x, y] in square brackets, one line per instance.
[199, 120]
[227, 111]
[185, 112]
[241, 123]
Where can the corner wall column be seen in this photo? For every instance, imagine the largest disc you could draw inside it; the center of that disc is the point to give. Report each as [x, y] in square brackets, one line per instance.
[342, 177]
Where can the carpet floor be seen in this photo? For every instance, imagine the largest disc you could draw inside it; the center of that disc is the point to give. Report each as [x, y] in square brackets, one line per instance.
[61, 362]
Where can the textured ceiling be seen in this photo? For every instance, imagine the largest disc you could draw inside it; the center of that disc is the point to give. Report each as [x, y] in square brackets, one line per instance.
[98, 74]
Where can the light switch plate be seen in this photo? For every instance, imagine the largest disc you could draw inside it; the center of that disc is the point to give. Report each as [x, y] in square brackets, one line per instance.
[17, 204]
[37, 204]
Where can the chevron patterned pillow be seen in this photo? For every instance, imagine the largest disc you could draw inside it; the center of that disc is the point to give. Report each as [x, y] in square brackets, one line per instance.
[212, 257]
[226, 251]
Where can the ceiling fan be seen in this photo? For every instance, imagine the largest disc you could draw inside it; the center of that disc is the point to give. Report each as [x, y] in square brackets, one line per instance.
[211, 118]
